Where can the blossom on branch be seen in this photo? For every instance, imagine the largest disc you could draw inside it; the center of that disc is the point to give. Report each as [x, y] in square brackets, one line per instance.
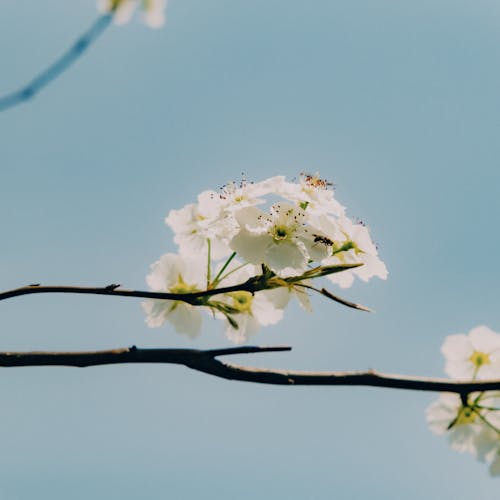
[471, 422]
[476, 355]
[175, 274]
[262, 243]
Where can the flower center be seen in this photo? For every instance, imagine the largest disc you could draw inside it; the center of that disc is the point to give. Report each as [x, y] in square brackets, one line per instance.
[466, 416]
[242, 301]
[280, 233]
[182, 287]
[478, 359]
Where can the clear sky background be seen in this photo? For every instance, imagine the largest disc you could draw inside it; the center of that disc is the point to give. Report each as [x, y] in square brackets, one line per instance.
[395, 101]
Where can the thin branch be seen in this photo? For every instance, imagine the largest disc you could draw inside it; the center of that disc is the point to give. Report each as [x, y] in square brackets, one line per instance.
[206, 362]
[252, 285]
[58, 67]
[115, 290]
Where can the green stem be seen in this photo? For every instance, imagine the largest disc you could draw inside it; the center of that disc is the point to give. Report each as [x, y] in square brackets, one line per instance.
[217, 279]
[233, 271]
[209, 260]
[489, 424]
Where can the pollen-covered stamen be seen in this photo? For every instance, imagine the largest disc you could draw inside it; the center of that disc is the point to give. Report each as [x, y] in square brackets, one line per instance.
[280, 233]
[314, 181]
[283, 225]
[235, 191]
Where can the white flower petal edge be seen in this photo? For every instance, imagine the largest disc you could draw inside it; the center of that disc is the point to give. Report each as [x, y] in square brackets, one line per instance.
[175, 274]
[356, 247]
[476, 355]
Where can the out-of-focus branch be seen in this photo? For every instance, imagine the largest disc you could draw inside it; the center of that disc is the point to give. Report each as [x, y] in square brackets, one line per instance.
[58, 67]
[206, 361]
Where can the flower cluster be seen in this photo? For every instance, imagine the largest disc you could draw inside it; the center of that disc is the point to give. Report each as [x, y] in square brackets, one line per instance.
[153, 11]
[472, 422]
[259, 244]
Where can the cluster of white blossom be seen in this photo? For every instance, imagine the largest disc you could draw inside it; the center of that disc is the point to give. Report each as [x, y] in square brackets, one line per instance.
[473, 422]
[266, 241]
[153, 11]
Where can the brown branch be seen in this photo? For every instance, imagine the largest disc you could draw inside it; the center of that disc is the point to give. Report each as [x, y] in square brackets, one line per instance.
[206, 362]
[114, 290]
[252, 285]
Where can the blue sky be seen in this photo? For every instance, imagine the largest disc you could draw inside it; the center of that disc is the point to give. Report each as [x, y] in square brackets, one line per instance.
[395, 101]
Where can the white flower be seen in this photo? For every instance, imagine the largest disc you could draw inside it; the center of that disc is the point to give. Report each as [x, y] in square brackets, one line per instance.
[476, 355]
[312, 194]
[356, 246]
[153, 11]
[233, 196]
[175, 274]
[280, 240]
[473, 428]
[251, 310]
[466, 426]
[193, 228]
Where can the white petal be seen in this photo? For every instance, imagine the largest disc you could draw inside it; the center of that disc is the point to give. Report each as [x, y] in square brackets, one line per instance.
[249, 246]
[286, 258]
[484, 339]
[186, 319]
[263, 309]
[495, 465]
[457, 347]
[459, 370]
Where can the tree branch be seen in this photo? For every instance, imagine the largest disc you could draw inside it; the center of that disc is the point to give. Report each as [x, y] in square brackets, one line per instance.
[206, 362]
[58, 67]
[190, 298]
[252, 285]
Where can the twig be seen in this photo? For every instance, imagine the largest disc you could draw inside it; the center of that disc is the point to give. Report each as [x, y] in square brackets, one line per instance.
[58, 67]
[252, 285]
[206, 362]
[115, 290]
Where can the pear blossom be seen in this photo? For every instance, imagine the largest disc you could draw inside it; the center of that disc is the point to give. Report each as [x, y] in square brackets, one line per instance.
[473, 428]
[312, 194]
[226, 238]
[462, 424]
[472, 425]
[153, 11]
[193, 227]
[476, 355]
[280, 239]
[355, 247]
[235, 196]
[175, 274]
[247, 312]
